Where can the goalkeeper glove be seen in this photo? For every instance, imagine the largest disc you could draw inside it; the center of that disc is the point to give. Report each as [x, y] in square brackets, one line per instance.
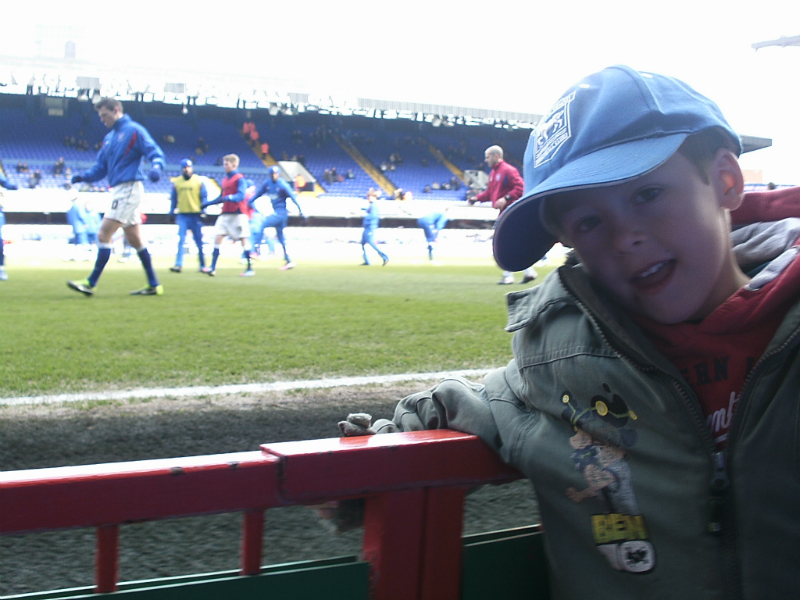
[155, 173]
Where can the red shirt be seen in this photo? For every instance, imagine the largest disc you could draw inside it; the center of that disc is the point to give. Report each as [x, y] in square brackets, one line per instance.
[504, 180]
[230, 187]
[717, 354]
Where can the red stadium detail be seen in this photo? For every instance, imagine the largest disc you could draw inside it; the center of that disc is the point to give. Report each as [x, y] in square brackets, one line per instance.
[414, 485]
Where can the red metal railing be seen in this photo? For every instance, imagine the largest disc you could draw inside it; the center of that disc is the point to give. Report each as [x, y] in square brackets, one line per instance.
[414, 485]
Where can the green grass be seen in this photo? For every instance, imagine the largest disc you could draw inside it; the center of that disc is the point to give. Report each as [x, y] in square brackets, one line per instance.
[322, 319]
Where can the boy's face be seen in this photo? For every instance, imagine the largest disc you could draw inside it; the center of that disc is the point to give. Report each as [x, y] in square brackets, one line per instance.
[659, 244]
[228, 166]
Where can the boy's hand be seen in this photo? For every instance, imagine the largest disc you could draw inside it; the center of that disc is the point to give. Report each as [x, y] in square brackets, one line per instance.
[345, 515]
[357, 424]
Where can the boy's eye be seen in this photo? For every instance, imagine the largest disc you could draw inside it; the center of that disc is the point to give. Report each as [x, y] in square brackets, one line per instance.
[585, 224]
[647, 195]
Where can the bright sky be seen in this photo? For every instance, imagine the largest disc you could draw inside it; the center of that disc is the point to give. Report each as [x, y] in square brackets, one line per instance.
[480, 54]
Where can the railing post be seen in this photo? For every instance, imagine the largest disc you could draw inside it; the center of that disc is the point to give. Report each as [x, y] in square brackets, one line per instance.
[252, 536]
[442, 546]
[106, 559]
[393, 533]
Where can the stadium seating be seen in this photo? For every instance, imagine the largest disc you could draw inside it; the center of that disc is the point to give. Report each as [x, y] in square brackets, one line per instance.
[29, 135]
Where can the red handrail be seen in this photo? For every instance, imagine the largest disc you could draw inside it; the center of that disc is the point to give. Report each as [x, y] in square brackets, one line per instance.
[414, 485]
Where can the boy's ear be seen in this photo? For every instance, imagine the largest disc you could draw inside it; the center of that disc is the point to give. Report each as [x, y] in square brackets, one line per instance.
[726, 176]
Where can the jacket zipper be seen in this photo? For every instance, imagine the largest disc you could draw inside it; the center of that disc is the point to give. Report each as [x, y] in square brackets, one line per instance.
[719, 486]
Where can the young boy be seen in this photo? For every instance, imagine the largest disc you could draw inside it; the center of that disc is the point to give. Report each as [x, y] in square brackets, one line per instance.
[653, 395]
[234, 221]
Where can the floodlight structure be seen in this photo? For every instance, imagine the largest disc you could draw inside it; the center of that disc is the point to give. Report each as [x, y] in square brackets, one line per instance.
[782, 41]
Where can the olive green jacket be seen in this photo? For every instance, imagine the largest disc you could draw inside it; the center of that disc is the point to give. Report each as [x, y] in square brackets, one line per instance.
[636, 501]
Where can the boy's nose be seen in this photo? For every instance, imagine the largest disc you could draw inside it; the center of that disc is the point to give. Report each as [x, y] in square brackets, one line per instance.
[627, 235]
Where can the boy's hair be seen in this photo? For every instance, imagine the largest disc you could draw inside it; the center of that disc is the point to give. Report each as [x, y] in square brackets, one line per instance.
[613, 126]
[701, 148]
[111, 104]
[232, 158]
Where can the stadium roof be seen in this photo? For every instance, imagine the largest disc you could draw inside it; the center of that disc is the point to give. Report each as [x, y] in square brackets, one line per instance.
[81, 79]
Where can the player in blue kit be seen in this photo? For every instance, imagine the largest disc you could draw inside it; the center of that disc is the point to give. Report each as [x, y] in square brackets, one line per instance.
[432, 224]
[4, 183]
[371, 221]
[278, 191]
[120, 161]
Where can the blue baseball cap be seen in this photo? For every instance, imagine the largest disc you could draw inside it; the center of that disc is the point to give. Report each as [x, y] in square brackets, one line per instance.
[186, 162]
[612, 126]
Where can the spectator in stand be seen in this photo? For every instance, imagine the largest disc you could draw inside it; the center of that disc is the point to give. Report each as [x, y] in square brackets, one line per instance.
[278, 191]
[35, 179]
[505, 186]
[4, 183]
[371, 221]
[264, 150]
[120, 160]
[58, 168]
[187, 197]
[202, 147]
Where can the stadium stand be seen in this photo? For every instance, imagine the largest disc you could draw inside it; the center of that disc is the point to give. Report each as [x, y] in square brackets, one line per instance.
[429, 155]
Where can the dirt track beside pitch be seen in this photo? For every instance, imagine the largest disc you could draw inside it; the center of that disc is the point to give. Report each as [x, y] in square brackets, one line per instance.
[49, 436]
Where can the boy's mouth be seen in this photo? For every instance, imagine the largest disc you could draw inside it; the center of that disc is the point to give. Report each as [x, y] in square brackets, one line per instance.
[651, 279]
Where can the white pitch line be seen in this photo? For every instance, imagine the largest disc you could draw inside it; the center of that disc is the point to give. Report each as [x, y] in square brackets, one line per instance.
[247, 388]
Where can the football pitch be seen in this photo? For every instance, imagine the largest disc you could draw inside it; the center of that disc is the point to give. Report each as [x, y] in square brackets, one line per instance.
[328, 318]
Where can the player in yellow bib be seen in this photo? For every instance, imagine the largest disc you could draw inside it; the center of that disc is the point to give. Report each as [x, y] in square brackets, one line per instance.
[188, 194]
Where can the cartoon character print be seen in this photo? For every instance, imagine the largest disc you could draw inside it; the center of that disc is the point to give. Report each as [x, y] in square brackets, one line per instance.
[601, 434]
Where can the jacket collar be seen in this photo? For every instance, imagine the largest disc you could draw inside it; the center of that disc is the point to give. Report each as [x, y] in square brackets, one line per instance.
[569, 288]
[120, 122]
